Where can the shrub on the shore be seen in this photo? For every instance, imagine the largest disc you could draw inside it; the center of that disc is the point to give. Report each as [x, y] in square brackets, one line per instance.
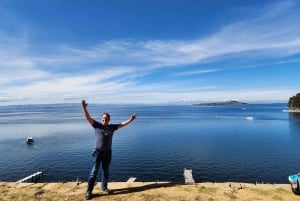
[294, 102]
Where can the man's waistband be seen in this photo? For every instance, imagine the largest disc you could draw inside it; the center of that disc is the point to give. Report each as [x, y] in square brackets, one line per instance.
[95, 150]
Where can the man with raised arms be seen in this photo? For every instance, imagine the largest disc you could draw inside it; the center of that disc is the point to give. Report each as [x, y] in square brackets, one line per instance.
[103, 144]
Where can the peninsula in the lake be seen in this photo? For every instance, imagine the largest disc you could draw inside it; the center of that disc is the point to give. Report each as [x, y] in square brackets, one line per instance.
[220, 103]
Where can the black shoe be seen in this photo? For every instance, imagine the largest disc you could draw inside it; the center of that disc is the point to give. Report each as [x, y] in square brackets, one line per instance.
[106, 191]
[88, 196]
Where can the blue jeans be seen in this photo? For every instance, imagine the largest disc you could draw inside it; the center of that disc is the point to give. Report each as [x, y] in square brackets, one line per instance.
[103, 158]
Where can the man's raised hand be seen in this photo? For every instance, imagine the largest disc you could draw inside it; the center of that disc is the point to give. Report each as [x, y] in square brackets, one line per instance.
[84, 104]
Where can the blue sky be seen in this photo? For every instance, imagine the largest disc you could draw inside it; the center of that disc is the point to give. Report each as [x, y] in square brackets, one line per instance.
[156, 51]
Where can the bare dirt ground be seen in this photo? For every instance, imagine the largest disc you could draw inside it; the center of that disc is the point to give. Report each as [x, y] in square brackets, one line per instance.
[147, 191]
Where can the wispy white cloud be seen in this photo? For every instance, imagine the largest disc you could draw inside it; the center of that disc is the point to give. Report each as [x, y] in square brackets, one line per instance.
[261, 33]
[197, 72]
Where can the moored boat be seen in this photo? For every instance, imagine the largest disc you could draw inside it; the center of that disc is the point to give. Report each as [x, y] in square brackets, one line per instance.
[29, 140]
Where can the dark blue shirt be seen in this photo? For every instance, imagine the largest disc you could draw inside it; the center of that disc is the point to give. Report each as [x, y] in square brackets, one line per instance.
[104, 135]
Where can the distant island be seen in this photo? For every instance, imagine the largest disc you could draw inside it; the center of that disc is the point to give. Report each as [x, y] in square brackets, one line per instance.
[220, 103]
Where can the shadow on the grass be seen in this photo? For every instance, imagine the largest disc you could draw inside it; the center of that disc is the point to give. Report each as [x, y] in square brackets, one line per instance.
[128, 190]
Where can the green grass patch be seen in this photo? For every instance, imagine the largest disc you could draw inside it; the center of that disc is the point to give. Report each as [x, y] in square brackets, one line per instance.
[207, 190]
[261, 192]
[75, 188]
[147, 197]
[25, 197]
[230, 195]
[281, 190]
[39, 192]
[276, 197]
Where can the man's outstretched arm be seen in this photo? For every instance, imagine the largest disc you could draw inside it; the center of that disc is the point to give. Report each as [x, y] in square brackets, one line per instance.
[86, 113]
[128, 121]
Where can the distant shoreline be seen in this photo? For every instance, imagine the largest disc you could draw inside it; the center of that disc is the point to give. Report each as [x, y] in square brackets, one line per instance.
[220, 103]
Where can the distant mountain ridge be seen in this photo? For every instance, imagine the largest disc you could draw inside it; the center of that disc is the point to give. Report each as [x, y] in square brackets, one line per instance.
[220, 103]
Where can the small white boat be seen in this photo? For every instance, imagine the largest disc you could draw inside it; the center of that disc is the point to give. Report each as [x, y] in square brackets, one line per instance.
[249, 118]
[29, 140]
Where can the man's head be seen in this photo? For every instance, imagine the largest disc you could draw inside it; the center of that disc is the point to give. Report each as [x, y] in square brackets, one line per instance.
[105, 119]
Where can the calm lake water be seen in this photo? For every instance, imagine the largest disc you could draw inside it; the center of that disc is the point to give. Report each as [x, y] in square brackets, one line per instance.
[218, 142]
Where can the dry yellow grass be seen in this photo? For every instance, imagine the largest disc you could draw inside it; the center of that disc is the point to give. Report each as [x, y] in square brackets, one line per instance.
[147, 191]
